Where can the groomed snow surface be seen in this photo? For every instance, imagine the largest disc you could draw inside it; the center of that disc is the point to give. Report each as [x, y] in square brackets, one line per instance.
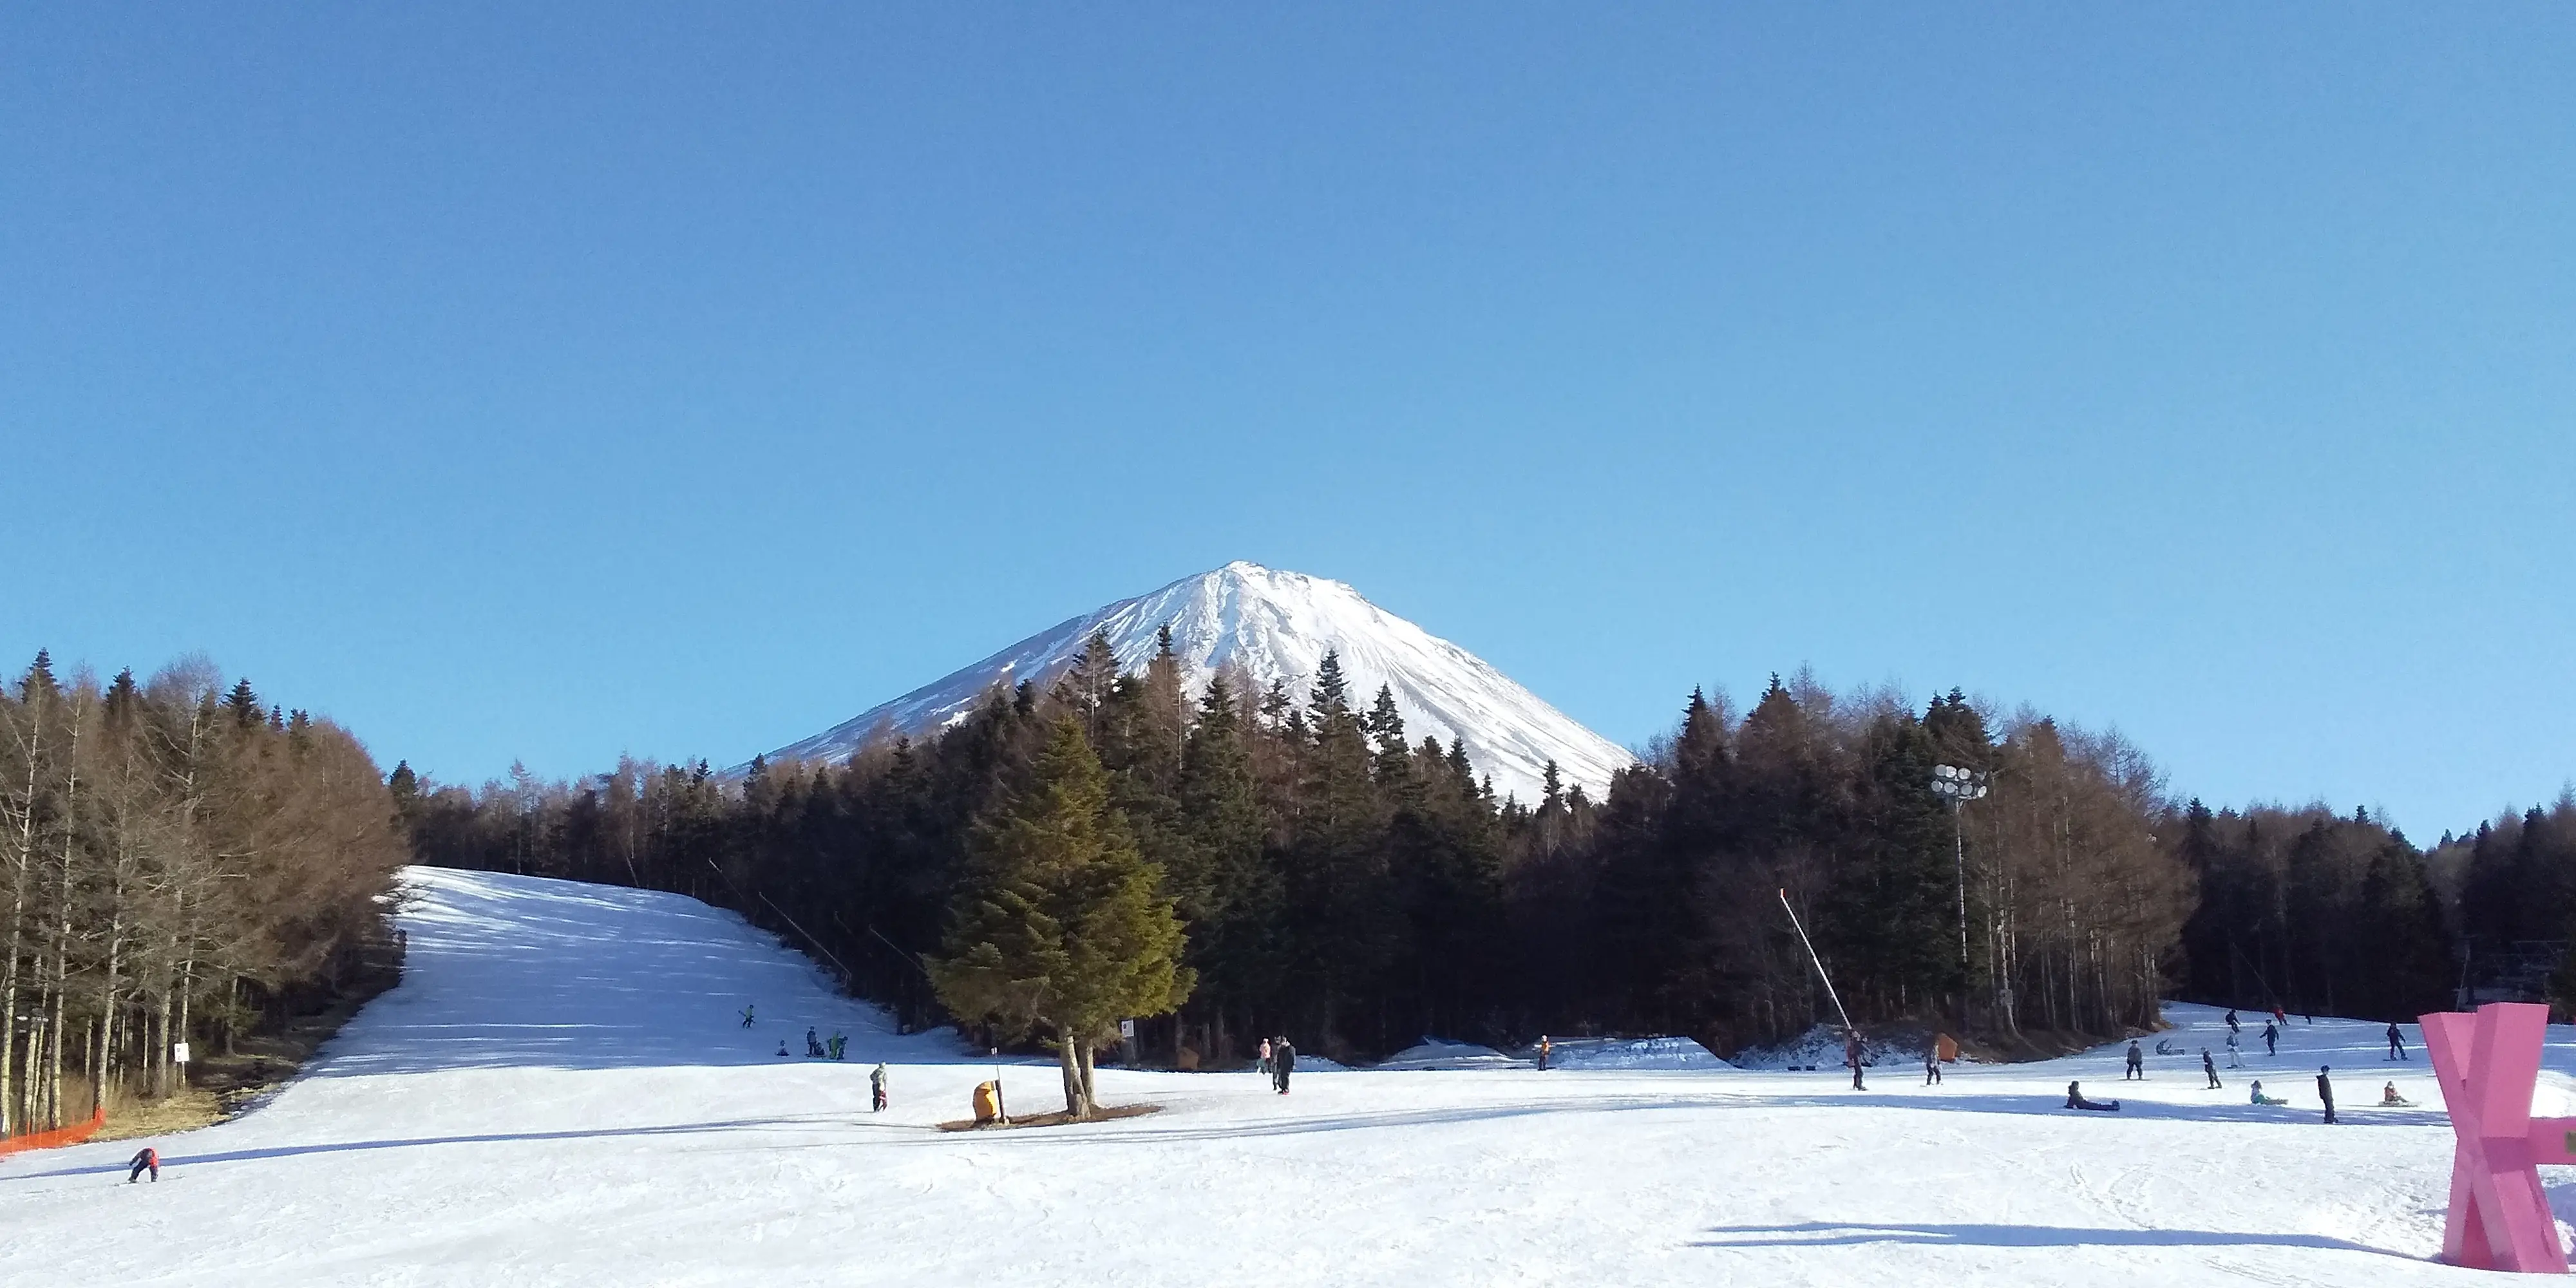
[561, 1092]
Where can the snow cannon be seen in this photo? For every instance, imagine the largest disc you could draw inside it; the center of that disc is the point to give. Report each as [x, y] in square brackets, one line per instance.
[2488, 1064]
[988, 1103]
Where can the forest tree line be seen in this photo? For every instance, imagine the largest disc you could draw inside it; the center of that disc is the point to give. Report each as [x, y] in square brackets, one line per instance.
[182, 862]
[1342, 882]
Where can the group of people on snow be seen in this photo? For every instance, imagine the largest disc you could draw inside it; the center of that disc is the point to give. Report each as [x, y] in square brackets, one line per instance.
[1278, 1060]
[2134, 1067]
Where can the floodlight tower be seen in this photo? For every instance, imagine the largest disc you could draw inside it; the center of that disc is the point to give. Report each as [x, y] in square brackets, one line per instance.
[1959, 786]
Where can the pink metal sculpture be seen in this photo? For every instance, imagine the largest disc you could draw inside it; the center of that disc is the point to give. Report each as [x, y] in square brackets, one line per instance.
[2488, 1064]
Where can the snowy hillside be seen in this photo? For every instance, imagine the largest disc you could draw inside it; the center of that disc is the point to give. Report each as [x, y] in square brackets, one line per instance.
[561, 1092]
[1278, 626]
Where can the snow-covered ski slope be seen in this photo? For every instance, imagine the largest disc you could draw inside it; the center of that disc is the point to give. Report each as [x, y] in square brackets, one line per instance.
[1278, 625]
[561, 1092]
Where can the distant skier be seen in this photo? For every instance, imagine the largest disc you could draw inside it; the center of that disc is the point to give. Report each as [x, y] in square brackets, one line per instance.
[2279, 1016]
[746, 1017]
[2261, 1099]
[1853, 1054]
[2232, 1026]
[2389, 1099]
[877, 1089]
[2075, 1100]
[2396, 1043]
[2325, 1090]
[2210, 1067]
[2272, 1039]
[1265, 1057]
[1932, 1065]
[1545, 1049]
[1283, 1061]
[2137, 1063]
[146, 1159]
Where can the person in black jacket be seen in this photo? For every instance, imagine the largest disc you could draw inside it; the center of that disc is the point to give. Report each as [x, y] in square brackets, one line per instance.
[2271, 1038]
[2210, 1067]
[147, 1159]
[1283, 1061]
[2325, 1090]
[2396, 1043]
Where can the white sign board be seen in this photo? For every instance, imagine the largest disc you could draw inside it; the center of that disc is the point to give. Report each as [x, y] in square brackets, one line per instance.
[1127, 1029]
[178, 1053]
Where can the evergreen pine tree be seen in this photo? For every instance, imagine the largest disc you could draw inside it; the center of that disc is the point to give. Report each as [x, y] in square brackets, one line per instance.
[1062, 924]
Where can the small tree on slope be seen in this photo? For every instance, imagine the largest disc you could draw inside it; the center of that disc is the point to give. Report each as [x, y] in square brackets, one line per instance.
[1062, 925]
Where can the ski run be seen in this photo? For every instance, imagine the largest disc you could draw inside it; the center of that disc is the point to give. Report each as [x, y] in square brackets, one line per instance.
[562, 1091]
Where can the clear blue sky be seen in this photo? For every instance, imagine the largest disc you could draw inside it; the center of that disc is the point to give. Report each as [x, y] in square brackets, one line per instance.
[680, 381]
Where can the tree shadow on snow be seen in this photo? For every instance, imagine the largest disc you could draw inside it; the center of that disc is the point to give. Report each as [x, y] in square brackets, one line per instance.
[1829, 1234]
[838, 1122]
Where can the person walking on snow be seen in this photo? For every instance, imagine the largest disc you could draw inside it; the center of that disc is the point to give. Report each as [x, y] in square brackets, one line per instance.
[2396, 1043]
[1545, 1049]
[2272, 1039]
[1265, 1057]
[146, 1159]
[1932, 1065]
[1852, 1052]
[2137, 1063]
[2325, 1090]
[2210, 1067]
[2231, 1020]
[877, 1089]
[1283, 1061]
[2232, 1061]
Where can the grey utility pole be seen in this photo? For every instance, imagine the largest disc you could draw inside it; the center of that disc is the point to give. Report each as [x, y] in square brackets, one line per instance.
[1959, 786]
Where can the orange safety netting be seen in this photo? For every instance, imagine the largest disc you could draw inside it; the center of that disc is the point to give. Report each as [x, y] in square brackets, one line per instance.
[72, 1135]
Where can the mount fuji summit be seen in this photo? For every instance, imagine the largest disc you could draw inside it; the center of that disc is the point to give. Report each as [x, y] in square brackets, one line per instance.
[1273, 625]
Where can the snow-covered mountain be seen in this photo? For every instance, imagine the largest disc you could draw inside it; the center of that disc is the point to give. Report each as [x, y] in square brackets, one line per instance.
[1278, 626]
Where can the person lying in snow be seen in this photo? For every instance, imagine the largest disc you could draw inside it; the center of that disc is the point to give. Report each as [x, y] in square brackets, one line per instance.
[2389, 1099]
[2261, 1099]
[2075, 1100]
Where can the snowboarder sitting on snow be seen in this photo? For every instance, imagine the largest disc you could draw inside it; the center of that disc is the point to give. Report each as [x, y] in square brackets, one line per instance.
[2210, 1067]
[782, 1049]
[2261, 1099]
[146, 1159]
[2075, 1100]
[1283, 1061]
[2389, 1099]
[2137, 1063]
[2396, 1043]
[877, 1089]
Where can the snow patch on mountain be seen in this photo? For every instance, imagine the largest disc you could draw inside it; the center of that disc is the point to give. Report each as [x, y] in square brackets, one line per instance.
[1276, 625]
